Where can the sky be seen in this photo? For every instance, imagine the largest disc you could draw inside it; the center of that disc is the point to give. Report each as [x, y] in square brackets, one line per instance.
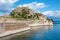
[49, 8]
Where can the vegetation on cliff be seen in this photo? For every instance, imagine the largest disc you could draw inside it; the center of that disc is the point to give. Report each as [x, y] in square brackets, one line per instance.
[24, 13]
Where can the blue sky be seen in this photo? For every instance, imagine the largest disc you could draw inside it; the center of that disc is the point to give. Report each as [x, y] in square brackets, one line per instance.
[50, 8]
[52, 4]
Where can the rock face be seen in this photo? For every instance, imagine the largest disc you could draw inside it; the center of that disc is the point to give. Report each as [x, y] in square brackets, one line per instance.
[27, 14]
[22, 12]
[21, 9]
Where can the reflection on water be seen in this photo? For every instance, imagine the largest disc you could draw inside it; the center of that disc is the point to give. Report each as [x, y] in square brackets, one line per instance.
[36, 33]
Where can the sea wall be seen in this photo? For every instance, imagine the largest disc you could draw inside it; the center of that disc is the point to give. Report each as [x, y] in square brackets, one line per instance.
[39, 22]
[11, 27]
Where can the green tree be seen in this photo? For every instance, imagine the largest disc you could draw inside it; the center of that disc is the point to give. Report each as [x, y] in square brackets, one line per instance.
[12, 14]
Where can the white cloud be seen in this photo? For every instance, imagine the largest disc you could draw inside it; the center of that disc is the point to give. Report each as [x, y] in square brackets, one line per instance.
[34, 6]
[6, 5]
[52, 13]
[8, 1]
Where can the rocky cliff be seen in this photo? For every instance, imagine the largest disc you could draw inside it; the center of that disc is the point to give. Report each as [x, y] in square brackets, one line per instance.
[24, 13]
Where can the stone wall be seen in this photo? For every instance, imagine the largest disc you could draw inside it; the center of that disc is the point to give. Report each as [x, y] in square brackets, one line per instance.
[13, 26]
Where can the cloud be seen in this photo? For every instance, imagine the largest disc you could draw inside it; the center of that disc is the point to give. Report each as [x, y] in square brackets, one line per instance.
[34, 6]
[52, 13]
[6, 5]
[8, 1]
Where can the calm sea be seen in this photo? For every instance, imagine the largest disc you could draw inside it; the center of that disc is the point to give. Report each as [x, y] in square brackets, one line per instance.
[37, 33]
